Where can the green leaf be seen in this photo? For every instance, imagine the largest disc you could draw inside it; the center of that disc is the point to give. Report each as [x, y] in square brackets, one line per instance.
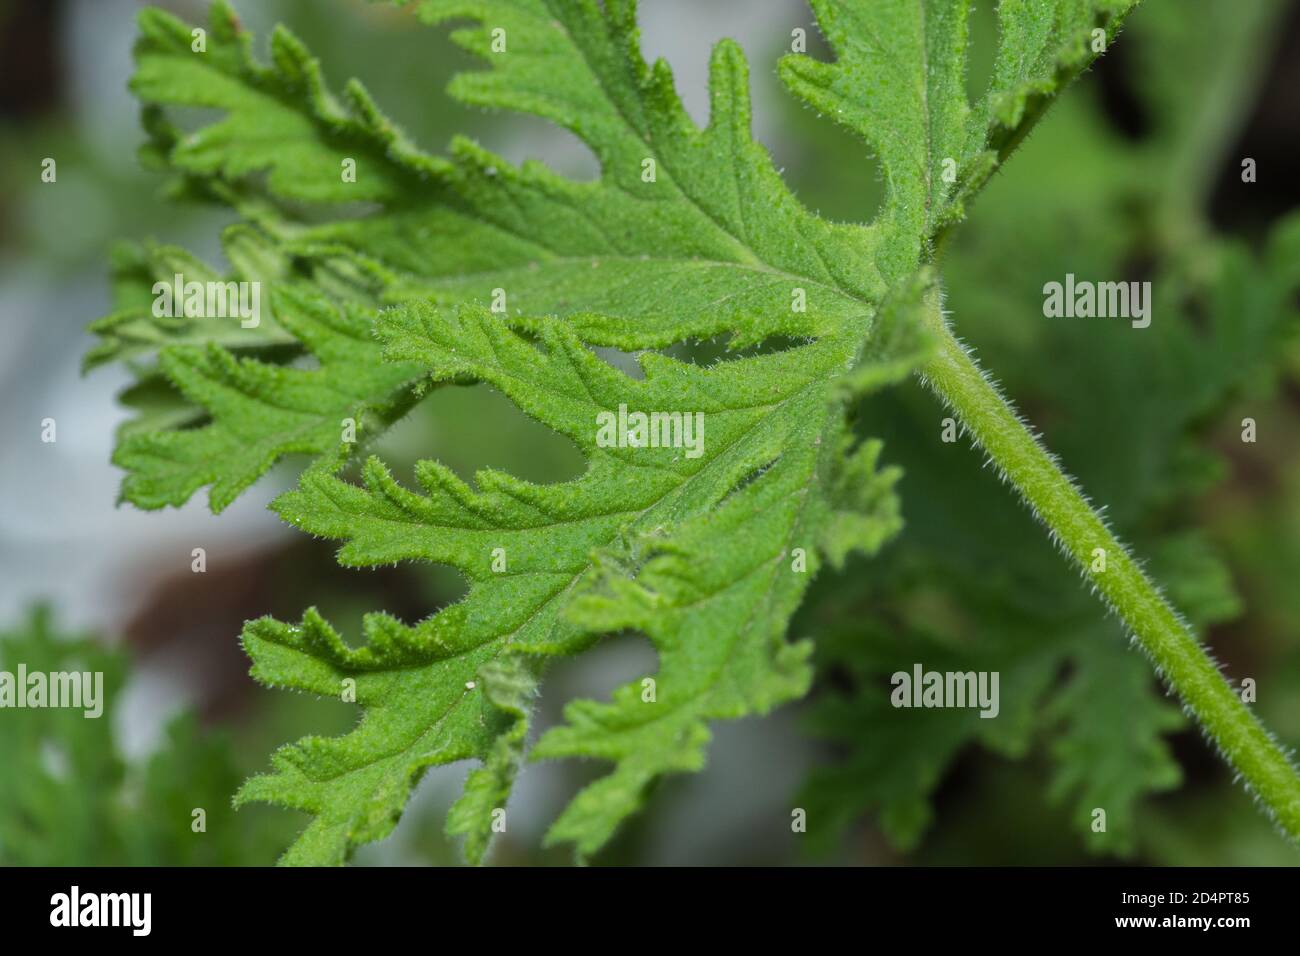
[689, 233]
[261, 412]
[279, 119]
[62, 772]
[567, 551]
[1109, 756]
[67, 796]
[714, 244]
[423, 706]
[898, 80]
[893, 759]
[133, 330]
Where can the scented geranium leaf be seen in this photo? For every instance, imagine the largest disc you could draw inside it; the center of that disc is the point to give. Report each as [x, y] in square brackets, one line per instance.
[688, 233]
[281, 146]
[898, 80]
[509, 685]
[136, 329]
[717, 617]
[279, 119]
[425, 704]
[220, 405]
[705, 543]
[260, 412]
[1043, 46]
[685, 227]
[712, 524]
[716, 233]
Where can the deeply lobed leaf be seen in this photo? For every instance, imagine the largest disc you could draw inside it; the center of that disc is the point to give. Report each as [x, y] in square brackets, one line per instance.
[688, 233]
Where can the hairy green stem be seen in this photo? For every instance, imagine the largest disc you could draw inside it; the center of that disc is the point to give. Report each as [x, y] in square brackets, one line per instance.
[1079, 529]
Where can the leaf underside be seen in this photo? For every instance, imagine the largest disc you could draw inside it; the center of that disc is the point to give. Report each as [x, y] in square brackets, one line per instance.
[707, 555]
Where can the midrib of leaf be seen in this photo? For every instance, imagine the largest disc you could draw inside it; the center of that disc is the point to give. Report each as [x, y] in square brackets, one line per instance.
[927, 167]
[423, 286]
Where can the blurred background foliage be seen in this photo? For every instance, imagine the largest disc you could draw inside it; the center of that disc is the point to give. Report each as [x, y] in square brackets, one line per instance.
[1135, 174]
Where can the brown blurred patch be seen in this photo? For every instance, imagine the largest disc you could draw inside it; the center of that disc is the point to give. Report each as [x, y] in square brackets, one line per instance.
[194, 620]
